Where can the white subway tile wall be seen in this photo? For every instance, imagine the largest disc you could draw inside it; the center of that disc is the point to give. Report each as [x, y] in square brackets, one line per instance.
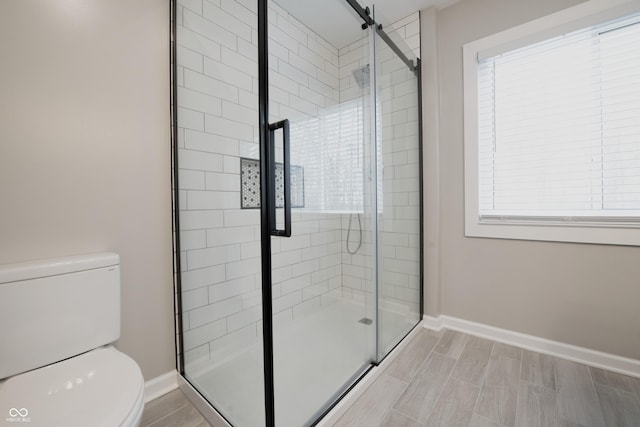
[217, 124]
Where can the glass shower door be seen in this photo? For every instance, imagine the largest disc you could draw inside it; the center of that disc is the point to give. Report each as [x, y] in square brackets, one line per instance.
[219, 206]
[399, 177]
[323, 263]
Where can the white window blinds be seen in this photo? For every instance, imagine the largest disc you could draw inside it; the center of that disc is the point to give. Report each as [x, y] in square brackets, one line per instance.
[559, 127]
[330, 148]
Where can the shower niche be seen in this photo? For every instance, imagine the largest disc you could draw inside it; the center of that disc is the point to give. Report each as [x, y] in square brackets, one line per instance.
[297, 179]
[250, 184]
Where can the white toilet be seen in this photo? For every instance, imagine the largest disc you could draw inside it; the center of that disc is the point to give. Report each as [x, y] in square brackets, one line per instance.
[57, 318]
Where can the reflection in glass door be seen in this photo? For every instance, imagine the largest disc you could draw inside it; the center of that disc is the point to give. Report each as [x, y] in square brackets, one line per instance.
[322, 273]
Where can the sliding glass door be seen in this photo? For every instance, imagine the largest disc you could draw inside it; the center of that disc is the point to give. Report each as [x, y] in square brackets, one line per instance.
[399, 192]
[323, 258]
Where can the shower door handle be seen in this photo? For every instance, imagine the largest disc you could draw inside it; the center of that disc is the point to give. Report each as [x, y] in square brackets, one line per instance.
[284, 125]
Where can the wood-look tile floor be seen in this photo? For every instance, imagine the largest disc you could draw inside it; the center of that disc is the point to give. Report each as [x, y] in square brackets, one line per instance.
[453, 379]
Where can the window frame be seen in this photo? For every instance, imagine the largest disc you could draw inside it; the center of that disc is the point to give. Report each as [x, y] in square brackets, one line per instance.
[584, 230]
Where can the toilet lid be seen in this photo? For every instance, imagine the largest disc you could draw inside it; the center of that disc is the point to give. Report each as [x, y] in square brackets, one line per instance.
[97, 388]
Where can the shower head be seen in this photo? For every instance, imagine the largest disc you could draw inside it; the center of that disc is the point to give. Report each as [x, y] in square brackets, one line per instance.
[362, 76]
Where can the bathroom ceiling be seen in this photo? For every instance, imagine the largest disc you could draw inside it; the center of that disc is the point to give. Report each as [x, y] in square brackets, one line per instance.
[337, 23]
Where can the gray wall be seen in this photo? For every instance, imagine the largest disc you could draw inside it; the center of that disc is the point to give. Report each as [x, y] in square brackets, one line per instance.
[586, 295]
[84, 150]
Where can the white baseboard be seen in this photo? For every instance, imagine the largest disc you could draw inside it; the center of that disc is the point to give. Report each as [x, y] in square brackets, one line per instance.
[160, 385]
[598, 359]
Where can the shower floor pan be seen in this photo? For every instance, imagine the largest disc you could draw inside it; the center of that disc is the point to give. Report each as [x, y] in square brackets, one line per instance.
[314, 357]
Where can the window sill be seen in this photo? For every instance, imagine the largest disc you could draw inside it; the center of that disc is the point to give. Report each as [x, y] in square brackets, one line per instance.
[623, 234]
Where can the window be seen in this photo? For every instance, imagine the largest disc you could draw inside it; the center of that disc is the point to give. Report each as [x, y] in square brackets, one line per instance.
[334, 169]
[552, 129]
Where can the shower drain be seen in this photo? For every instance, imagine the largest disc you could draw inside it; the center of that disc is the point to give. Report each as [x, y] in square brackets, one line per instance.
[365, 321]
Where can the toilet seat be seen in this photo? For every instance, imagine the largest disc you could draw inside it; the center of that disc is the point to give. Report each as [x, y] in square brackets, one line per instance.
[102, 387]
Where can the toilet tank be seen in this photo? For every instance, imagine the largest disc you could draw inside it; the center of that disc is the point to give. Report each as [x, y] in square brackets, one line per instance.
[57, 308]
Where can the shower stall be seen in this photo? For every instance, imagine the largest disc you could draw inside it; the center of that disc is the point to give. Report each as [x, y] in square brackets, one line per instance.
[298, 208]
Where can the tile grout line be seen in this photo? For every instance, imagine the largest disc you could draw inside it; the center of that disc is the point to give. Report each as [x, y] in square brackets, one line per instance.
[444, 386]
[557, 389]
[482, 384]
[593, 387]
[557, 384]
[186, 404]
[518, 386]
[391, 408]
[450, 376]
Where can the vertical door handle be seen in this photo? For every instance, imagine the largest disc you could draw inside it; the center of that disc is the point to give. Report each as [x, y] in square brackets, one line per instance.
[284, 125]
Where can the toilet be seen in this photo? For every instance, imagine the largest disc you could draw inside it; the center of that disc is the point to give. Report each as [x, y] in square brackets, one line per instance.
[57, 367]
